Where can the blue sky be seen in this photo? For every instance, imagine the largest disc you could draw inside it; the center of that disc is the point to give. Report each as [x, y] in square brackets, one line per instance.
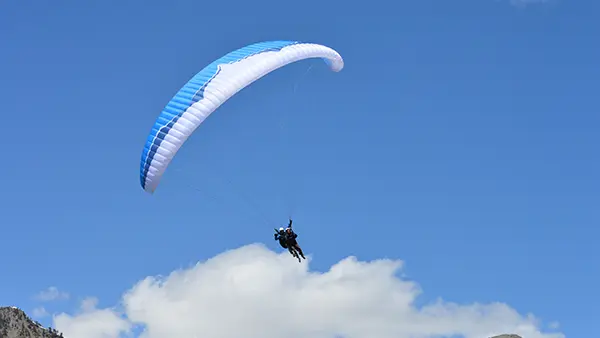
[460, 137]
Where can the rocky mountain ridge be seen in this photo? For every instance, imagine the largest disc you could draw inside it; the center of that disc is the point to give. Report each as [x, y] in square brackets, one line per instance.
[14, 323]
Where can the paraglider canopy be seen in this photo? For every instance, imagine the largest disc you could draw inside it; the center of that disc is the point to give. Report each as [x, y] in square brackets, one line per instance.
[210, 88]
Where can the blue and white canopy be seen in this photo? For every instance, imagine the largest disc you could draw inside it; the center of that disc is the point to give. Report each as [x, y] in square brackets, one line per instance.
[210, 88]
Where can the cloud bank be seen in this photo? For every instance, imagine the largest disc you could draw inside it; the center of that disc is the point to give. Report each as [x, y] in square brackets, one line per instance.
[253, 292]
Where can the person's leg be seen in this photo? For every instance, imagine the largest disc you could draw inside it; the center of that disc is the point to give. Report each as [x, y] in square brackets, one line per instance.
[299, 249]
[294, 253]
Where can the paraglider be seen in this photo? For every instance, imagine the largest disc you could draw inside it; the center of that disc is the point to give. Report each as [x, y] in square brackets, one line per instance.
[210, 88]
[207, 91]
[287, 240]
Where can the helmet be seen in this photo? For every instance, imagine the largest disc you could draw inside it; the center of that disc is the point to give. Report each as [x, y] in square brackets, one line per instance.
[281, 229]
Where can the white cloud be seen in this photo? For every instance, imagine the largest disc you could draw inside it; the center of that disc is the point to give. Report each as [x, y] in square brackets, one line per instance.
[52, 293]
[91, 322]
[253, 292]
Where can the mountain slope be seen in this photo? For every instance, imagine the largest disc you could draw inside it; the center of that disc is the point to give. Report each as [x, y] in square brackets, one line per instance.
[14, 323]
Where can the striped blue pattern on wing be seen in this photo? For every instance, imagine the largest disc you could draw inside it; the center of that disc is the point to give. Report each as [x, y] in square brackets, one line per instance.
[192, 92]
